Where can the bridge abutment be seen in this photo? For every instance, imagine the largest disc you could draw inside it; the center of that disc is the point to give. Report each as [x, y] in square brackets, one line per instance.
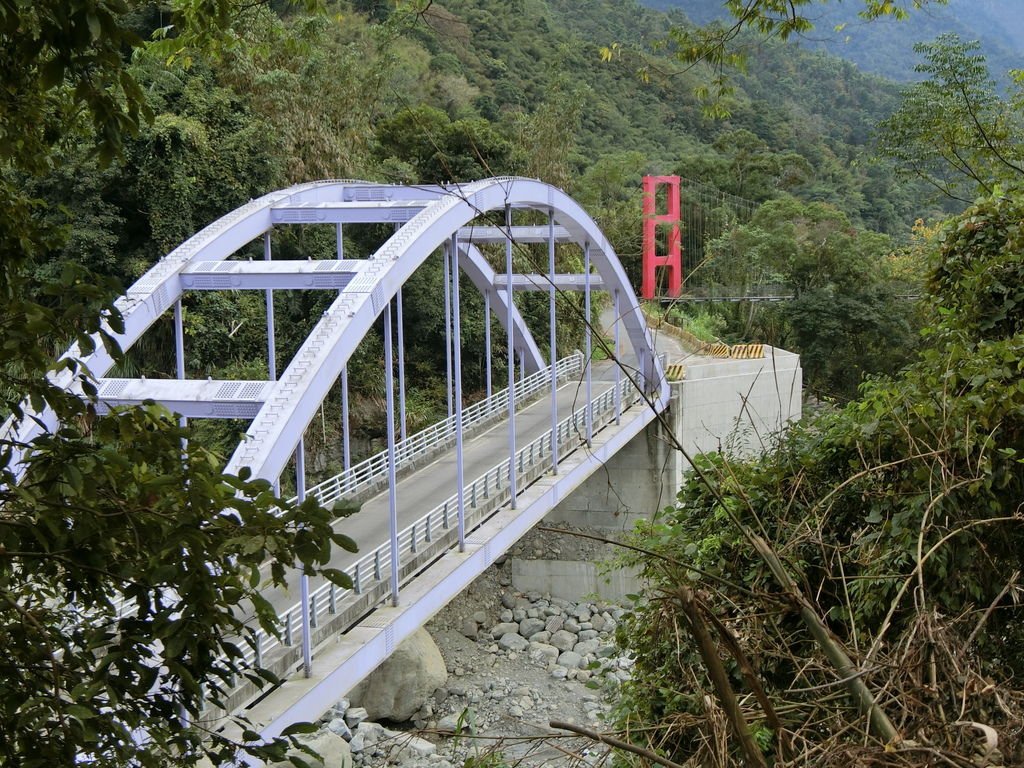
[737, 406]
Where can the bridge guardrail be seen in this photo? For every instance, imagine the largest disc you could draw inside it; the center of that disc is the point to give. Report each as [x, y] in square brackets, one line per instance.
[363, 476]
[334, 609]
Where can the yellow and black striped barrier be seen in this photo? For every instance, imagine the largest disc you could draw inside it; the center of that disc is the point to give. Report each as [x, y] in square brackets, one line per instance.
[715, 349]
[706, 348]
[747, 351]
[675, 371]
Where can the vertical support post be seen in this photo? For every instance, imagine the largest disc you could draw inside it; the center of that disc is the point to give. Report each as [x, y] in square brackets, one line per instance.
[509, 325]
[179, 340]
[651, 259]
[307, 639]
[618, 361]
[446, 255]
[522, 366]
[460, 479]
[179, 361]
[588, 343]
[271, 341]
[487, 338]
[346, 447]
[346, 442]
[271, 334]
[389, 384]
[179, 352]
[401, 367]
[553, 341]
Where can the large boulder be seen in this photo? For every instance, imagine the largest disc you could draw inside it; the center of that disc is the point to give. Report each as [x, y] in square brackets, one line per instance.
[401, 685]
[333, 750]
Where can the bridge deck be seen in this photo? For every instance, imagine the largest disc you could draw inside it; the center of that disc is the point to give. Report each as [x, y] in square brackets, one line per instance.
[357, 652]
[430, 486]
[347, 653]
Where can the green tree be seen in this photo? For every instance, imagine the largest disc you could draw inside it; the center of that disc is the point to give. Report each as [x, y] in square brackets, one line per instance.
[547, 138]
[845, 318]
[319, 82]
[953, 130]
[110, 511]
[749, 168]
[438, 149]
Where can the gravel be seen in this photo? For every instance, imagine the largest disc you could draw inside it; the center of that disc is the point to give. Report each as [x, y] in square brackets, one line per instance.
[514, 662]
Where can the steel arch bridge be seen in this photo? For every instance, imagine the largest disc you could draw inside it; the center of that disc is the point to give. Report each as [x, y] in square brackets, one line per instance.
[483, 514]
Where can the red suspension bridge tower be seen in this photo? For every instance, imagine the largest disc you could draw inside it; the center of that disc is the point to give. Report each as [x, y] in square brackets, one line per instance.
[652, 219]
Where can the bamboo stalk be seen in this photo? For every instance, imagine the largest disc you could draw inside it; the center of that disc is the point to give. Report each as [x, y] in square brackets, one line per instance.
[833, 649]
[719, 677]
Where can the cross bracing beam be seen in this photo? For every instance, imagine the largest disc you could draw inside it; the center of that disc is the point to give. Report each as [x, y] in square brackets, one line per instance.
[368, 191]
[294, 275]
[276, 430]
[206, 399]
[492, 235]
[362, 212]
[562, 282]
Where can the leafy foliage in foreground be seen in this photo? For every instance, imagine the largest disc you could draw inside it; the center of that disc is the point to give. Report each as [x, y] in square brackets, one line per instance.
[130, 566]
[899, 519]
[114, 516]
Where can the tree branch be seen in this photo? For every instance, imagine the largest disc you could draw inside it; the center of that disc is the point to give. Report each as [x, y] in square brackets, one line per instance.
[611, 741]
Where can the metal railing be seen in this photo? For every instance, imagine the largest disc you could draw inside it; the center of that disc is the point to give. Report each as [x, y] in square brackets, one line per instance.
[424, 444]
[366, 474]
[333, 609]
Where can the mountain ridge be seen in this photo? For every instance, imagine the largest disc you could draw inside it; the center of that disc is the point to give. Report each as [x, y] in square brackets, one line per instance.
[885, 46]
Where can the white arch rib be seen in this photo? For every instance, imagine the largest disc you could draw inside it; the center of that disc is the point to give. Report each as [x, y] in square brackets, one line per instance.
[275, 432]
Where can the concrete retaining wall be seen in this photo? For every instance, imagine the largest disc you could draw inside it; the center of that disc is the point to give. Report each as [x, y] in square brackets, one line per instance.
[737, 405]
[721, 404]
[572, 579]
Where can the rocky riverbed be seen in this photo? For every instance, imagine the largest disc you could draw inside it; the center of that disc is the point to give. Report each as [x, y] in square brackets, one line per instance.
[510, 664]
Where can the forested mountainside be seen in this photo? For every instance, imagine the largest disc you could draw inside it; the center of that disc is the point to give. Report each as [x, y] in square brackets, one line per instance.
[804, 115]
[885, 46]
[463, 90]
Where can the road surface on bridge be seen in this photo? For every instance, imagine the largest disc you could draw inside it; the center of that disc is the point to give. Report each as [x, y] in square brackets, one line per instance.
[430, 485]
